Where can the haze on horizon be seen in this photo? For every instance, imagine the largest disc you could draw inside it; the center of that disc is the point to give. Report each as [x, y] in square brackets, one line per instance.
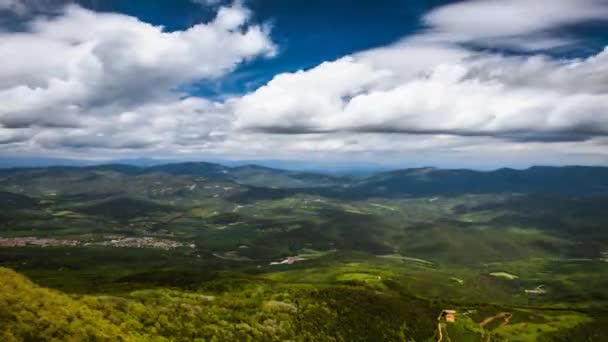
[476, 84]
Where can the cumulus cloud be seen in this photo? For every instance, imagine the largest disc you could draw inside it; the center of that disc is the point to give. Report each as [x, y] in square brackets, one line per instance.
[18, 7]
[22, 8]
[101, 79]
[12, 5]
[437, 96]
[517, 23]
[431, 84]
[192, 122]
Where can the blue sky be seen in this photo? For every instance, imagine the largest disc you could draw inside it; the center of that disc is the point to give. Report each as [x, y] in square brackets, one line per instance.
[307, 32]
[477, 83]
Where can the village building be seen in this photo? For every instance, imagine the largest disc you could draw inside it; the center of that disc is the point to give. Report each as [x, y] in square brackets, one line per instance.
[449, 315]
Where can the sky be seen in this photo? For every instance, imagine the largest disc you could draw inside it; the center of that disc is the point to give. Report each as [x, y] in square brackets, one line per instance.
[474, 83]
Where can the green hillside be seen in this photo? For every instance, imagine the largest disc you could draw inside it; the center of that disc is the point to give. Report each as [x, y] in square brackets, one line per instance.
[201, 251]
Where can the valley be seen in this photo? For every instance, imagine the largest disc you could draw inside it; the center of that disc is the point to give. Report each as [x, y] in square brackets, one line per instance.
[270, 255]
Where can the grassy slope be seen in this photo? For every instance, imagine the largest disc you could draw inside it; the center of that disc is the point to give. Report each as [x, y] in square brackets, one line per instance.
[240, 307]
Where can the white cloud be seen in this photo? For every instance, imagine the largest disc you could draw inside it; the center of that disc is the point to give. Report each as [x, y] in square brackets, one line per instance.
[429, 84]
[74, 79]
[192, 122]
[22, 8]
[113, 88]
[516, 23]
[15, 6]
[119, 58]
[303, 99]
[512, 97]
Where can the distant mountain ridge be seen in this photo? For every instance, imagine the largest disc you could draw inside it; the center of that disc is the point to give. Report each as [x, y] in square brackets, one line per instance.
[404, 182]
[340, 167]
[565, 179]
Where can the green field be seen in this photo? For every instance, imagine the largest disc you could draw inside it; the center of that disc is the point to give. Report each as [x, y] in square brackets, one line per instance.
[368, 266]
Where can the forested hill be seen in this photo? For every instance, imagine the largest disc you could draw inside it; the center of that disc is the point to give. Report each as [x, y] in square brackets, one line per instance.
[405, 182]
[230, 310]
[568, 179]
